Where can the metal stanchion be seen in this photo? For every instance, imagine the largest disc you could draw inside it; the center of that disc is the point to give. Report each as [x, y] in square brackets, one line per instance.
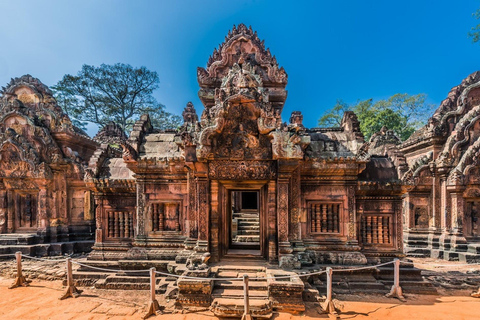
[396, 291]
[246, 300]
[72, 291]
[329, 306]
[153, 307]
[20, 281]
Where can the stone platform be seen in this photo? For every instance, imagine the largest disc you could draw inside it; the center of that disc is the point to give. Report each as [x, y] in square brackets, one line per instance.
[268, 290]
[31, 244]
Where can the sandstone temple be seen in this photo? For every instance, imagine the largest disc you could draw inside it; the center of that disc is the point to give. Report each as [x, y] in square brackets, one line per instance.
[235, 181]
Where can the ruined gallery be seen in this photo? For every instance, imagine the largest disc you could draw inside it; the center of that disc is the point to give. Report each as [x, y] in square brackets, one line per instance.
[235, 182]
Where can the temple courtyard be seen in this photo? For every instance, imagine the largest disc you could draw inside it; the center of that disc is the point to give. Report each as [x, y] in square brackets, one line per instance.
[452, 281]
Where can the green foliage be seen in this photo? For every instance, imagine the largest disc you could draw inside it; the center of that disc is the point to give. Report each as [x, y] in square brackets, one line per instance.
[401, 113]
[475, 31]
[333, 117]
[116, 92]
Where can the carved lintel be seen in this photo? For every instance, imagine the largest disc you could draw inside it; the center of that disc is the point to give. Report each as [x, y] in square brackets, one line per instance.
[242, 170]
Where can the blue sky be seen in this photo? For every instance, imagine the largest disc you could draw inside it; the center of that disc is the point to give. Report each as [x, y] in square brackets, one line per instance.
[331, 50]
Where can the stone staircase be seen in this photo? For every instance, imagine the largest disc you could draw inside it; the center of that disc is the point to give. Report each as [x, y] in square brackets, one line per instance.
[248, 230]
[227, 295]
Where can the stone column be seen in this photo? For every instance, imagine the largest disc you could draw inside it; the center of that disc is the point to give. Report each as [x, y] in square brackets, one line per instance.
[285, 170]
[352, 219]
[99, 220]
[141, 211]
[458, 241]
[214, 221]
[272, 221]
[3, 211]
[203, 213]
[10, 212]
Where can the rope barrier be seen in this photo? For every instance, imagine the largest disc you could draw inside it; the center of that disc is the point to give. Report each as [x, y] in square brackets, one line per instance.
[364, 268]
[7, 255]
[154, 308]
[109, 270]
[46, 260]
[447, 265]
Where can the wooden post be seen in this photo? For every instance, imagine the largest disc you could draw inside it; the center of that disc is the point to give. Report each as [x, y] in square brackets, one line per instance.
[329, 306]
[396, 291]
[72, 291]
[20, 281]
[153, 306]
[246, 301]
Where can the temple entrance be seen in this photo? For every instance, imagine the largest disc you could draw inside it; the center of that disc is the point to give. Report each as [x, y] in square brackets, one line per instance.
[245, 220]
[242, 221]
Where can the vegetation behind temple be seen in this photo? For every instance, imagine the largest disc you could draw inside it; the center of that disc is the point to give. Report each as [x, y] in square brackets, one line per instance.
[402, 113]
[118, 92]
[475, 31]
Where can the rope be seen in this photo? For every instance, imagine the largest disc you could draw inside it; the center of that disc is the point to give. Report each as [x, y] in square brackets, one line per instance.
[364, 268]
[108, 270]
[42, 259]
[7, 255]
[447, 265]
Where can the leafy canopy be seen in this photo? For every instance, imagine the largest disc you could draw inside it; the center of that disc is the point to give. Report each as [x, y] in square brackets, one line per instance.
[475, 31]
[116, 92]
[402, 113]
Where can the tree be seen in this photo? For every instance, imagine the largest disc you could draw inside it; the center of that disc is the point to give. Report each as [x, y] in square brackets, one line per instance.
[116, 92]
[402, 113]
[475, 31]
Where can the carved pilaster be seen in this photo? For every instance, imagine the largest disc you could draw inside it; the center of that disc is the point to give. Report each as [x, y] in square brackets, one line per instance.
[272, 222]
[294, 204]
[214, 221]
[192, 207]
[351, 236]
[203, 213]
[3, 211]
[42, 209]
[399, 226]
[282, 209]
[141, 210]
[10, 212]
[98, 220]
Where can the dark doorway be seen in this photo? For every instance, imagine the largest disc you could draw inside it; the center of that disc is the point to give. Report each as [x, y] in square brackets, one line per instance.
[245, 221]
[249, 200]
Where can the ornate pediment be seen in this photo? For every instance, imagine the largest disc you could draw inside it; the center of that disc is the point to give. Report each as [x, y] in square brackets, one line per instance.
[239, 63]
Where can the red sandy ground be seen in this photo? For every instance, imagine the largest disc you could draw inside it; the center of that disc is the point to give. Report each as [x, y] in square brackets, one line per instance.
[40, 301]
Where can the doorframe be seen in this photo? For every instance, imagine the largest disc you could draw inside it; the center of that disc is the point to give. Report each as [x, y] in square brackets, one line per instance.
[224, 219]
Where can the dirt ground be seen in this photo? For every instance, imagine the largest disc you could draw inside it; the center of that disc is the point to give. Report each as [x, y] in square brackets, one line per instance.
[453, 280]
[40, 301]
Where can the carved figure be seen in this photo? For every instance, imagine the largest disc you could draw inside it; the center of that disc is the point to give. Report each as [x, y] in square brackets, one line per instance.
[198, 262]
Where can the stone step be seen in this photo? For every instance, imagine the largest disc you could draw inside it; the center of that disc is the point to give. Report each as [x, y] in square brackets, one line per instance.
[248, 232]
[241, 238]
[234, 293]
[18, 239]
[474, 248]
[411, 250]
[239, 269]
[77, 275]
[467, 257]
[103, 284]
[126, 279]
[233, 308]
[248, 223]
[249, 218]
[238, 285]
